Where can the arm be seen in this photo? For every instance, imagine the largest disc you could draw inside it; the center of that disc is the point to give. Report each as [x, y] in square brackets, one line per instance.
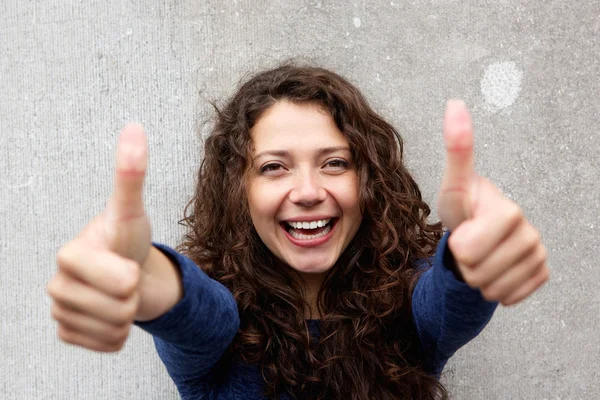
[498, 253]
[446, 311]
[160, 285]
[195, 332]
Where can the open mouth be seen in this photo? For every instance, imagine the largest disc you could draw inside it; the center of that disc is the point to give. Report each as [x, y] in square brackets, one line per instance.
[308, 230]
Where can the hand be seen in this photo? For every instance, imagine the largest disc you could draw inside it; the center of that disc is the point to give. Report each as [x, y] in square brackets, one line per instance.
[497, 250]
[95, 290]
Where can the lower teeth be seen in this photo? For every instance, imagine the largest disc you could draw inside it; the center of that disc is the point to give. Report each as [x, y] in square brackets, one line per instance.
[305, 237]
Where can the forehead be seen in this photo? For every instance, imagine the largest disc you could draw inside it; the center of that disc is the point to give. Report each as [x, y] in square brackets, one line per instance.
[295, 126]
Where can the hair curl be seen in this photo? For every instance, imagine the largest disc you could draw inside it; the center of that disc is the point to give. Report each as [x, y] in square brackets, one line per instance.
[368, 347]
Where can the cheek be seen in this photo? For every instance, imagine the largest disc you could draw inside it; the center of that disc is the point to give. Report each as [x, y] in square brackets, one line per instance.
[347, 194]
[263, 203]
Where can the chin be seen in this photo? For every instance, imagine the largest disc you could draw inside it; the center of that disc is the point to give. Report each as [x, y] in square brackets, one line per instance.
[311, 267]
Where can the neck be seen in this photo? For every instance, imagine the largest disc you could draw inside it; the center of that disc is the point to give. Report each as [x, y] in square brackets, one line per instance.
[311, 283]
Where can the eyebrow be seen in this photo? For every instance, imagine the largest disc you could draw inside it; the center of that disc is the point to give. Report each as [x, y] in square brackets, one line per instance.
[286, 153]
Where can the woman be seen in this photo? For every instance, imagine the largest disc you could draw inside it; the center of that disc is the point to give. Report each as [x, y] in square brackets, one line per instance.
[319, 275]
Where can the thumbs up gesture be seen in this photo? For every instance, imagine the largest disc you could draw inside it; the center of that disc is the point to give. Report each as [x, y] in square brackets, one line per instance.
[96, 289]
[496, 249]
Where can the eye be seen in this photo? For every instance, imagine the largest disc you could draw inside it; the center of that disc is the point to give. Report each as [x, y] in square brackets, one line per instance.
[337, 164]
[272, 167]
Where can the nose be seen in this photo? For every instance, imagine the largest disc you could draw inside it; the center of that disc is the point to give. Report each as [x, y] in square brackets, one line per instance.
[308, 189]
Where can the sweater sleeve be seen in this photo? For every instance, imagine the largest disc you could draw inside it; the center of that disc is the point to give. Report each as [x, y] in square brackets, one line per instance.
[446, 311]
[193, 336]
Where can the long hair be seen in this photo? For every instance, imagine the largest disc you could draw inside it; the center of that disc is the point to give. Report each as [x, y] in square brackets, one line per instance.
[367, 347]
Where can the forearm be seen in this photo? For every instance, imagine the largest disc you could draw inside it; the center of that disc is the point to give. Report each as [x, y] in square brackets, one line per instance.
[446, 311]
[195, 323]
[160, 286]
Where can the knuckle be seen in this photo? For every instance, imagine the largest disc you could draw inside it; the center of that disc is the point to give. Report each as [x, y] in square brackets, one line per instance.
[129, 279]
[64, 257]
[533, 237]
[127, 312]
[56, 286]
[56, 312]
[50, 287]
[131, 311]
[468, 258]
[119, 334]
[472, 280]
[116, 347]
[490, 294]
[124, 332]
[113, 342]
[514, 212]
[460, 250]
[507, 302]
[453, 242]
[67, 335]
[464, 256]
[113, 346]
[120, 317]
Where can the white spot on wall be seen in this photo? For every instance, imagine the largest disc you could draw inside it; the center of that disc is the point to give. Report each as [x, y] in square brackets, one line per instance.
[20, 184]
[357, 22]
[501, 84]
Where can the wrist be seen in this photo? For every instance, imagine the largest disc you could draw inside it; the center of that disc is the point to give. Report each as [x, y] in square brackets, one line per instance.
[451, 264]
[161, 287]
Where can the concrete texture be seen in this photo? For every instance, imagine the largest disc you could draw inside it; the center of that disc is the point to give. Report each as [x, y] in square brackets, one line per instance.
[73, 73]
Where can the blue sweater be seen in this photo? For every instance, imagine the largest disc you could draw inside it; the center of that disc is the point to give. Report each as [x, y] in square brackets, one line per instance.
[192, 337]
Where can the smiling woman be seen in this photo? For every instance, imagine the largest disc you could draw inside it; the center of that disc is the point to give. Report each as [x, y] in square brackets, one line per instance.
[309, 269]
[299, 145]
[303, 189]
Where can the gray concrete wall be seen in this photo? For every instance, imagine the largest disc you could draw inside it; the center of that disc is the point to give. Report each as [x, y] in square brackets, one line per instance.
[73, 73]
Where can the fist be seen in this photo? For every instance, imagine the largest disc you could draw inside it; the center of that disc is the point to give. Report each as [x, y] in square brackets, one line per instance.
[496, 248]
[95, 290]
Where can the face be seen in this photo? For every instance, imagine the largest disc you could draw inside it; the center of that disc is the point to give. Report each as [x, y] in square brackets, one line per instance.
[303, 187]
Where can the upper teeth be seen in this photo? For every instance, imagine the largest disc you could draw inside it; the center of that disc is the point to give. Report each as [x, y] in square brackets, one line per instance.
[308, 224]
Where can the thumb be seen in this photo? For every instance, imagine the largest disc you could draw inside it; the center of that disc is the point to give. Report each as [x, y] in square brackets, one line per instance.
[459, 177]
[126, 201]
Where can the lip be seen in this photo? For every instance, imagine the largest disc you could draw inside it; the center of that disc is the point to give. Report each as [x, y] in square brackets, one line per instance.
[308, 218]
[310, 242]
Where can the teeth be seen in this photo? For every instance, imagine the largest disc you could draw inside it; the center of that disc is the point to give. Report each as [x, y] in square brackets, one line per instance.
[306, 237]
[308, 224]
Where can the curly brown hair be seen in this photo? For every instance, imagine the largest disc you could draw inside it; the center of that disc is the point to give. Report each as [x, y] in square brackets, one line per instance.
[367, 346]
